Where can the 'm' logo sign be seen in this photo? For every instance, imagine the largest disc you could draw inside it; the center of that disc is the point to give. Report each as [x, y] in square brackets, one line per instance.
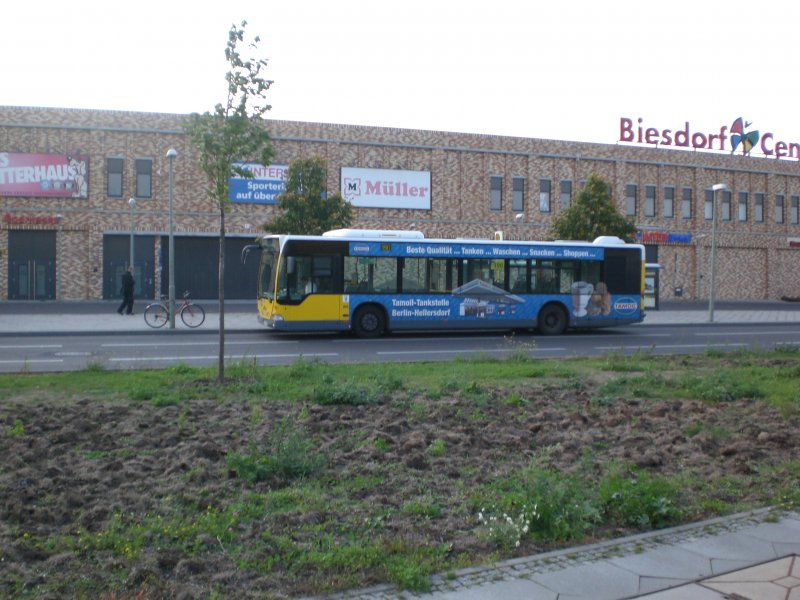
[352, 187]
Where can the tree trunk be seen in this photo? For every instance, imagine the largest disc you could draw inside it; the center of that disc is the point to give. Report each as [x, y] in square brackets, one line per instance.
[221, 359]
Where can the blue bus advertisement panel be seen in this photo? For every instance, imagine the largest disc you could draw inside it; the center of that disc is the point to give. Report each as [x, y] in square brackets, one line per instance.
[571, 276]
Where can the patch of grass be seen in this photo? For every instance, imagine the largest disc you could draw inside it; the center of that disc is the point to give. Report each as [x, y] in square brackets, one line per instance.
[634, 497]
[287, 453]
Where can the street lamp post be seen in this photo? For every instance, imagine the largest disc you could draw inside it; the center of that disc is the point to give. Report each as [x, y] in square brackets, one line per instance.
[171, 154]
[711, 288]
[132, 204]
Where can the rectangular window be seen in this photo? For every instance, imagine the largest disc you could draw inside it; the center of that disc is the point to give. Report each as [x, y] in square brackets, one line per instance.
[518, 194]
[708, 207]
[428, 275]
[496, 193]
[566, 193]
[759, 208]
[742, 215]
[144, 177]
[630, 199]
[779, 208]
[370, 275]
[669, 201]
[544, 195]
[491, 271]
[726, 205]
[686, 203]
[649, 201]
[114, 175]
[794, 217]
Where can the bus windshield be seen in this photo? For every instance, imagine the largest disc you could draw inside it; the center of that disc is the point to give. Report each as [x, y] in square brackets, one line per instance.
[266, 279]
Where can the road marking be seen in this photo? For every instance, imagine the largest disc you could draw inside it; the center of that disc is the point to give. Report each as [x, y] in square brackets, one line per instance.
[31, 346]
[73, 353]
[730, 333]
[228, 357]
[193, 344]
[30, 362]
[668, 346]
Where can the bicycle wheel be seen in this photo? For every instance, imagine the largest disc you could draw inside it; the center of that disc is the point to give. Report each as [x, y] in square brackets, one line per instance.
[193, 315]
[156, 315]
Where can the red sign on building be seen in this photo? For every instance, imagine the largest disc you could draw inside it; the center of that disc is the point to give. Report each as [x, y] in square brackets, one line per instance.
[44, 175]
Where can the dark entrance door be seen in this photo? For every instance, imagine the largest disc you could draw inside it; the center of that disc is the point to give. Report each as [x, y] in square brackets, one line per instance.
[31, 265]
[116, 258]
[197, 270]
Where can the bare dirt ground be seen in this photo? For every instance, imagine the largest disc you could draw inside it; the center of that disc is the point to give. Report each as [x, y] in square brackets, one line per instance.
[79, 464]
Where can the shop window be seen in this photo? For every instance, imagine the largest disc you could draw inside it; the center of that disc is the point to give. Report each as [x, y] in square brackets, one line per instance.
[566, 194]
[742, 213]
[669, 201]
[686, 203]
[726, 205]
[708, 207]
[144, 178]
[496, 193]
[759, 208]
[114, 177]
[779, 208]
[544, 195]
[649, 201]
[518, 194]
[630, 199]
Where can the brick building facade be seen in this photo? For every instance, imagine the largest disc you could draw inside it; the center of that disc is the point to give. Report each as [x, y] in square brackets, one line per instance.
[76, 247]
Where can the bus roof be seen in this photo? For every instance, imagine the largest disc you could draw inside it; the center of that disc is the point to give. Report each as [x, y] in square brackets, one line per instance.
[416, 236]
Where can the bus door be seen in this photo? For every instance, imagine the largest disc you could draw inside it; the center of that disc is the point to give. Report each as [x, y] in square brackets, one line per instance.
[308, 288]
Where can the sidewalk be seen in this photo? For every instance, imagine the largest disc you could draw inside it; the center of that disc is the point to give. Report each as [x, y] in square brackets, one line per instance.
[99, 316]
[749, 556]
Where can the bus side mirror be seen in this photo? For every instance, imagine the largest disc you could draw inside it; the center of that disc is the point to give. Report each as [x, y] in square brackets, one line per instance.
[246, 250]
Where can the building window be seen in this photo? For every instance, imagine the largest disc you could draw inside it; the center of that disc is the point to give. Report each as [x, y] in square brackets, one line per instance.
[566, 193]
[742, 207]
[114, 177]
[686, 203]
[649, 201]
[708, 206]
[669, 201]
[144, 177]
[518, 194]
[544, 195]
[794, 216]
[630, 199]
[759, 208]
[496, 193]
[779, 208]
[726, 205]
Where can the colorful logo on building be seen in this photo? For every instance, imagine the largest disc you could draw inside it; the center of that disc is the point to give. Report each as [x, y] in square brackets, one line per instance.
[739, 137]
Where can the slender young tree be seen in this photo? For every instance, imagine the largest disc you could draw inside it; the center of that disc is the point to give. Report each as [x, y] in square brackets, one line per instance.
[234, 132]
[306, 208]
[591, 214]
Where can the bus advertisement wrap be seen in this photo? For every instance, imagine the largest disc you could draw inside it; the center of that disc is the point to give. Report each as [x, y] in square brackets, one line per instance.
[467, 250]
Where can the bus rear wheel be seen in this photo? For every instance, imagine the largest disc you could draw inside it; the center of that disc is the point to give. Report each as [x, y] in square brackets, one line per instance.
[552, 320]
[369, 322]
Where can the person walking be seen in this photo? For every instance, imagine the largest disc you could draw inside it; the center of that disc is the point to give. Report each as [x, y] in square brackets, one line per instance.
[127, 292]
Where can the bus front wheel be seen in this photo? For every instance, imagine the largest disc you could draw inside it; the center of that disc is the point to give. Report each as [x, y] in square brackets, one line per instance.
[369, 322]
[552, 320]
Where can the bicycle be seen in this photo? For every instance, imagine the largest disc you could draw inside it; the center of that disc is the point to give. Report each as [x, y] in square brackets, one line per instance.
[157, 314]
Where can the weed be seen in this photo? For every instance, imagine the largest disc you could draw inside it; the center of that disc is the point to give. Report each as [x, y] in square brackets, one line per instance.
[288, 453]
[437, 448]
[347, 393]
[17, 429]
[639, 499]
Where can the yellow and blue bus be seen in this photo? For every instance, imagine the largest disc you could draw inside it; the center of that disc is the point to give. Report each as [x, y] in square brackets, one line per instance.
[373, 281]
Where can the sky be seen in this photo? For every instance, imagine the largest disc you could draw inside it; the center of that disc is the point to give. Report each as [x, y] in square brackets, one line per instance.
[562, 70]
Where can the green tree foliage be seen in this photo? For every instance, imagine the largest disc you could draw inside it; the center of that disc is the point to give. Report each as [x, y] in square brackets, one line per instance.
[592, 214]
[234, 132]
[305, 208]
